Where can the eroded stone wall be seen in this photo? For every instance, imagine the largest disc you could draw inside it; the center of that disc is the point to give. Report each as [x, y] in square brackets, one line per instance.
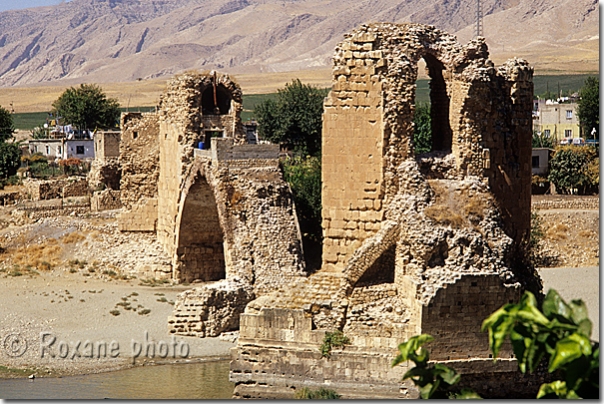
[139, 157]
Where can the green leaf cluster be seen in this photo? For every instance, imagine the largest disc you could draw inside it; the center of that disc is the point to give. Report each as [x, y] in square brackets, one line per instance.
[434, 380]
[333, 339]
[572, 167]
[294, 119]
[588, 109]
[560, 332]
[87, 107]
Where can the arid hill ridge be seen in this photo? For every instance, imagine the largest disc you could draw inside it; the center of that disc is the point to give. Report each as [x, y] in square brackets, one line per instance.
[125, 40]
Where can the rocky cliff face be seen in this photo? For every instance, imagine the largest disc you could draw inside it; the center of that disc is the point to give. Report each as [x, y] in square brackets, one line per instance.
[123, 40]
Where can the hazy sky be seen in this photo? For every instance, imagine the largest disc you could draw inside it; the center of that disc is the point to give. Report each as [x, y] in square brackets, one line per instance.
[16, 4]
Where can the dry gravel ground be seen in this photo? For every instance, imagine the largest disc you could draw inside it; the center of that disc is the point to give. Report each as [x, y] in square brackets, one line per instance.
[72, 308]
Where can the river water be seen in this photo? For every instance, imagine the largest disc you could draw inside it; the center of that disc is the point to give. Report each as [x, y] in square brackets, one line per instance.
[207, 380]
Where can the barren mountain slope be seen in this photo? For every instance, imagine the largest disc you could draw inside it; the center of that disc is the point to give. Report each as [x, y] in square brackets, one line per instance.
[123, 40]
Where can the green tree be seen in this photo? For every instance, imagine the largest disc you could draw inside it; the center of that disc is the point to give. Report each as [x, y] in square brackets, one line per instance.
[570, 169]
[589, 107]
[304, 178]
[294, 119]
[87, 107]
[9, 159]
[7, 128]
[422, 130]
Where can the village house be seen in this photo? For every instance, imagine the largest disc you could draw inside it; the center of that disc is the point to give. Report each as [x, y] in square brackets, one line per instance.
[63, 148]
[556, 120]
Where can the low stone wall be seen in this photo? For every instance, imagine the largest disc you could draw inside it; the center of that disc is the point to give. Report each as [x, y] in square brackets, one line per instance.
[568, 202]
[75, 187]
[105, 200]
[142, 217]
[210, 310]
[11, 197]
[54, 189]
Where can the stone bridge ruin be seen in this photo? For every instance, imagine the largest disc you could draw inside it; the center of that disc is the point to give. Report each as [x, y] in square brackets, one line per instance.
[219, 206]
[413, 243]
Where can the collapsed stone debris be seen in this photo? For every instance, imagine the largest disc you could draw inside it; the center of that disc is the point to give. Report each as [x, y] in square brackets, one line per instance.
[412, 243]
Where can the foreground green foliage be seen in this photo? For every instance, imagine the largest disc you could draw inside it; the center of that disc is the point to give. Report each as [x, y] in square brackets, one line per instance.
[589, 107]
[304, 177]
[294, 119]
[559, 333]
[333, 339]
[321, 394]
[575, 169]
[434, 380]
[87, 107]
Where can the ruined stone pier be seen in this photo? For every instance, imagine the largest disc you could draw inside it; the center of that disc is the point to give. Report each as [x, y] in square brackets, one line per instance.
[412, 243]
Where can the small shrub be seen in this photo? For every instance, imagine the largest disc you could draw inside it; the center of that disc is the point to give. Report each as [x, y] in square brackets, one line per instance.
[321, 394]
[144, 311]
[115, 312]
[333, 339]
[557, 232]
[162, 300]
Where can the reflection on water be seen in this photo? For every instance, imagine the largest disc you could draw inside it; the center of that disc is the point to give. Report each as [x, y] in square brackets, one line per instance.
[208, 380]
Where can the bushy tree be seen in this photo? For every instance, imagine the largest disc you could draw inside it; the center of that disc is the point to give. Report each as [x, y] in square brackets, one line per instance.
[9, 159]
[294, 119]
[9, 152]
[422, 130]
[570, 169]
[87, 107]
[589, 107]
[7, 128]
[304, 178]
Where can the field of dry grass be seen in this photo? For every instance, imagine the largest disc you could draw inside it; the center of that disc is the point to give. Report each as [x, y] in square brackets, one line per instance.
[146, 92]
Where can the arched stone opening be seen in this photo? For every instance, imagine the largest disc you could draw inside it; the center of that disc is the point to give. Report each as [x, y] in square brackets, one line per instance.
[200, 239]
[215, 100]
[439, 103]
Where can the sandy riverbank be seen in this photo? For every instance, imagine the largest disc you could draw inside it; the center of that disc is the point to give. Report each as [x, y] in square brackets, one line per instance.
[71, 309]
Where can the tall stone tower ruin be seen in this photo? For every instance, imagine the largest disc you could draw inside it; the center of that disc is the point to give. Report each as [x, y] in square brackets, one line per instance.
[412, 243]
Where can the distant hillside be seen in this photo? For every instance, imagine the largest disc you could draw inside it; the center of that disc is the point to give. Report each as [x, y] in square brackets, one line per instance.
[124, 40]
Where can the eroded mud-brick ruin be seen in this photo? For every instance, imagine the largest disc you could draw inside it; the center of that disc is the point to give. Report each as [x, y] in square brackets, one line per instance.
[412, 243]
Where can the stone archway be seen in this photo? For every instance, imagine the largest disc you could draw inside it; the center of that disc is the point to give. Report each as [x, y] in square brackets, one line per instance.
[200, 249]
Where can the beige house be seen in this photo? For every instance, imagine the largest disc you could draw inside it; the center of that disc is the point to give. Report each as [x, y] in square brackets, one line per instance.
[556, 120]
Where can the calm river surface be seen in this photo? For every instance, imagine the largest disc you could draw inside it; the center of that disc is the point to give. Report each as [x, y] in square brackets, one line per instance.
[208, 380]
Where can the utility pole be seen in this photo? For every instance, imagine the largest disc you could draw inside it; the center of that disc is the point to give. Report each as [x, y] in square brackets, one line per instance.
[479, 25]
